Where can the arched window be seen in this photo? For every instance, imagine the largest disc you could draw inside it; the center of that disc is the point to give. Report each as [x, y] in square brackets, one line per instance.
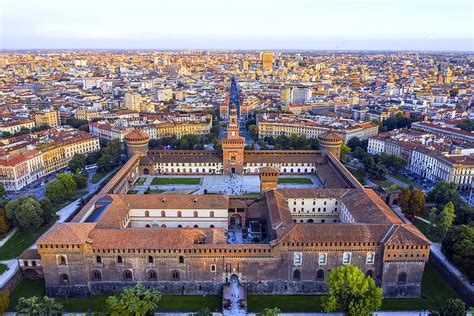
[163, 226]
[211, 214]
[175, 275]
[180, 214]
[150, 259]
[152, 276]
[369, 273]
[119, 259]
[64, 278]
[147, 214]
[211, 226]
[320, 275]
[296, 275]
[402, 278]
[96, 275]
[98, 259]
[147, 226]
[180, 226]
[181, 259]
[127, 275]
[62, 261]
[163, 214]
[195, 214]
[196, 226]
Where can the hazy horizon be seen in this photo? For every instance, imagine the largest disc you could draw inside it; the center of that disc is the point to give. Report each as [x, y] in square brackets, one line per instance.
[318, 25]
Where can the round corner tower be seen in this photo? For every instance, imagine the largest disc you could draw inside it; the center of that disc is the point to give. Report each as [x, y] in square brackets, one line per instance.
[136, 142]
[330, 142]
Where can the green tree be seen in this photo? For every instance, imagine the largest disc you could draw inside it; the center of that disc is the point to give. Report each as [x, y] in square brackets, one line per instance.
[466, 125]
[25, 212]
[442, 220]
[80, 180]
[271, 311]
[3, 192]
[253, 131]
[444, 192]
[4, 301]
[68, 183]
[48, 211]
[114, 149]
[51, 307]
[56, 192]
[352, 292]
[36, 307]
[458, 246]
[136, 300]
[345, 151]
[77, 163]
[104, 164]
[452, 307]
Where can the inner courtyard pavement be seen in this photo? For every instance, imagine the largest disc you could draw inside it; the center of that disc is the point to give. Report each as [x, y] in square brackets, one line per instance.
[222, 184]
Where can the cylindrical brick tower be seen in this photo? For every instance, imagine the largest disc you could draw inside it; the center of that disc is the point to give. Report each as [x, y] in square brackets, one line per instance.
[137, 142]
[330, 142]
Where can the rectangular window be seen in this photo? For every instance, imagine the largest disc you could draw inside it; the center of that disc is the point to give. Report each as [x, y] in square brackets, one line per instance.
[322, 258]
[297, 258]
[346, 258]
[213, 268]
[370, 258]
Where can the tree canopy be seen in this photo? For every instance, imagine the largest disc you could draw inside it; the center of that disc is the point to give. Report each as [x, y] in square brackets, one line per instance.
[137, 300]
[77, 163]
[412, 202]
[25, 213]
[352, 292]
[458, 246]
[34, 306]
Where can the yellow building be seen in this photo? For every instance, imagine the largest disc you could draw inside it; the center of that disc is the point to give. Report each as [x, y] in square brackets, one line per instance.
[267, 61]
[50, 118]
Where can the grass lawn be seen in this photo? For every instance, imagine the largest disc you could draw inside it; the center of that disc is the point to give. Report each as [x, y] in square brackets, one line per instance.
[98, 176]
[168, 303]
[404, 179]
[388, 185]
[132, 191]
[295, 181]
[20, 241]
[163, 181]
[154, 191]
[3, 268]
[425, 229]
[435, 292]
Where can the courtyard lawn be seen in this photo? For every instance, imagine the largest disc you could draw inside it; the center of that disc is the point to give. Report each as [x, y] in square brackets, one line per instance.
[132, 191]
[435, 292]
[295, 181]
[164, 181]
[21, 241]
[154, 191]
[3, 268]
[168, 303]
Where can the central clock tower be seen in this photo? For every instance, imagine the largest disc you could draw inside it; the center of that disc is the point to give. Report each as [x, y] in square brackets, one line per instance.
[233, 146]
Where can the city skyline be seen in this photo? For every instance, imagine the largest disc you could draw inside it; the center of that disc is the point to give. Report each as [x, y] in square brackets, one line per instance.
[276, 25]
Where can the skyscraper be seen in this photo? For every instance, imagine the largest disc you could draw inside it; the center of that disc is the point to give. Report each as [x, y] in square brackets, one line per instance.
[267, 61]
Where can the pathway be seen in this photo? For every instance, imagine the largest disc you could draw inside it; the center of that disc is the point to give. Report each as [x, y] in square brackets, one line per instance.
[63, 214]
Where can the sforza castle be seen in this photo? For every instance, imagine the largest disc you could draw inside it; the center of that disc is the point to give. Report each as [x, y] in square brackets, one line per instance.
[283, 241]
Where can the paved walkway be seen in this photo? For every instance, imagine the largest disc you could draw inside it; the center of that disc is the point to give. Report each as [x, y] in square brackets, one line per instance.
[63, 214]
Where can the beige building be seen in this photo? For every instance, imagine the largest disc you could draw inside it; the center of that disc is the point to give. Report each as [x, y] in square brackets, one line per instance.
[50, 118]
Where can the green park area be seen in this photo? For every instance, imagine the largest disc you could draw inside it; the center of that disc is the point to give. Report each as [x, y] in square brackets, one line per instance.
[168, 303]
[21, 241]
[295, 181]
[435, 292]
[165, 181]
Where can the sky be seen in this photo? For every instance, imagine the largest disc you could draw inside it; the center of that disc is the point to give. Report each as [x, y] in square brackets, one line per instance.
[438, 25]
